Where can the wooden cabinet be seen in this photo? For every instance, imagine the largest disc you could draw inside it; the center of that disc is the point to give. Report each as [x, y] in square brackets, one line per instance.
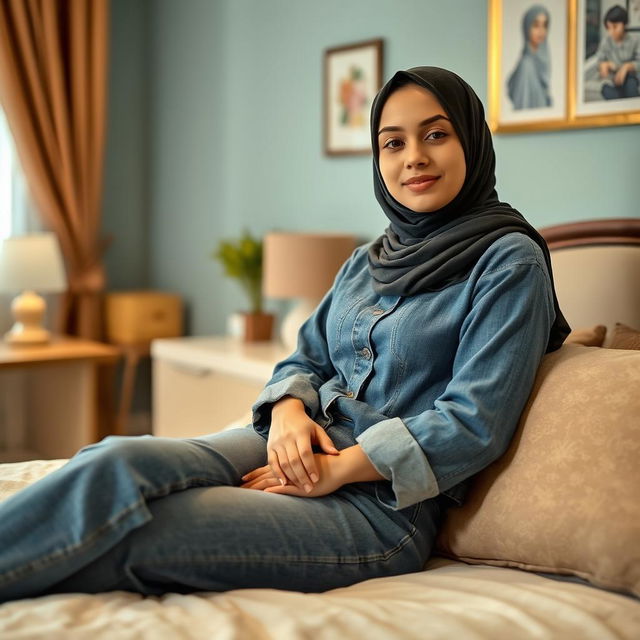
[202, 385]
[49, 398]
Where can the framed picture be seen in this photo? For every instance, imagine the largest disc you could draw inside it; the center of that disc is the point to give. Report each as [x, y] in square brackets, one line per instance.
[528, 64]
[606, 90]
[545, 64]
[352, 78]
[633, 7]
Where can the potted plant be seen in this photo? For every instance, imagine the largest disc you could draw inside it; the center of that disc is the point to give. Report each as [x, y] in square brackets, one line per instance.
[242, 260]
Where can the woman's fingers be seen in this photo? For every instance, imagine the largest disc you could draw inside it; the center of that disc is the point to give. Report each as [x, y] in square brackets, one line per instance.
[253, 474]
[295, 470]
[308, 461]
[262, 481]
[297, 463]
[325, 442]
[275, 467]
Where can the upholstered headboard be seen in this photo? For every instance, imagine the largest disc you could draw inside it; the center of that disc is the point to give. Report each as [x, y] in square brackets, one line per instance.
[596, 267]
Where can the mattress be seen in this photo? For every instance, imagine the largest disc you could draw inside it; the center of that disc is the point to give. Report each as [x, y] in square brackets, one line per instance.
[446, 600]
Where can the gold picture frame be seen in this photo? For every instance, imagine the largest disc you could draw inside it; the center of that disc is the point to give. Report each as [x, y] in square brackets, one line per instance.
[569, 98]
[352, 78]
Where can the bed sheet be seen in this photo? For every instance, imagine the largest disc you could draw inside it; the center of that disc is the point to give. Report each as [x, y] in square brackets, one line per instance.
[447, 600]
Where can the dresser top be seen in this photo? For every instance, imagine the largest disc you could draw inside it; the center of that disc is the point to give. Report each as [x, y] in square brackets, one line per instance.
[250, 360]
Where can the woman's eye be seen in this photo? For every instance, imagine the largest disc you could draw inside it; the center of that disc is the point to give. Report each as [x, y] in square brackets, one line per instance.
[436, 135]
[394, 143]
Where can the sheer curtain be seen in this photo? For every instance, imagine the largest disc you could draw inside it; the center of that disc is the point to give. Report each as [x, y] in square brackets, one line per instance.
[18, 214]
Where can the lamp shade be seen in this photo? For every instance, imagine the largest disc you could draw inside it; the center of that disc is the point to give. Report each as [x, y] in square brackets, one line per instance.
[303, 265]
[32, 262]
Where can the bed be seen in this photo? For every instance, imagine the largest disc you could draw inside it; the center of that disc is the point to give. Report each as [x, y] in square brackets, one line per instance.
[569, 577]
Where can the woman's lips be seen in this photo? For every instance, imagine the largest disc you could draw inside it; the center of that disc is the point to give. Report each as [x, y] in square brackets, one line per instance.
[423, 185]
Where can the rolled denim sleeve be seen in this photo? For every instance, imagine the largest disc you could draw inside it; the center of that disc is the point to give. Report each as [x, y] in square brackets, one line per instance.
[302, 373]
[502, 341]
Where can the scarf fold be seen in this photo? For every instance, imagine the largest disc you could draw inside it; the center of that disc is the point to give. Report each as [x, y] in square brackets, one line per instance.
[422, 252]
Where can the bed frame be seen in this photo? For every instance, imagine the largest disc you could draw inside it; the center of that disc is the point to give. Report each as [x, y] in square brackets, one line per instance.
[593, 232]
[596, 267]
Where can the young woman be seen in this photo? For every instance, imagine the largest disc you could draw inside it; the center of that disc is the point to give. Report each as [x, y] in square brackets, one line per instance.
[528, 85]
[409, 378]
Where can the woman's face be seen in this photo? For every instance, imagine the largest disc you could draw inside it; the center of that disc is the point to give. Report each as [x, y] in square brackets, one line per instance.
[538, 30]
[420, 155]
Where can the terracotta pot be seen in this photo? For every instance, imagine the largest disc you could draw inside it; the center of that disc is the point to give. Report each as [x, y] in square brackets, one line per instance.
[258, 326]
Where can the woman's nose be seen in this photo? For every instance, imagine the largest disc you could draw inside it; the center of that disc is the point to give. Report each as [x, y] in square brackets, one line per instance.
[416, 157]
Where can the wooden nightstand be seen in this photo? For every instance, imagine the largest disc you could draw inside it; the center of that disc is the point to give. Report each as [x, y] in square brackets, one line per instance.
[201, 385]
[49, 397]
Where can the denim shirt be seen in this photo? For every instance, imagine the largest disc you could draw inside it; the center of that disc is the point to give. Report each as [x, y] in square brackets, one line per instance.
[431, 386]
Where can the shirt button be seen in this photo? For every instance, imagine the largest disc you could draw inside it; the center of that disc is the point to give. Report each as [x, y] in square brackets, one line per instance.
[349, 394]
[365, 353]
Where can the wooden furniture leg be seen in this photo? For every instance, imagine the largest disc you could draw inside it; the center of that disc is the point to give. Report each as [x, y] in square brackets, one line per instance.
[132, 355]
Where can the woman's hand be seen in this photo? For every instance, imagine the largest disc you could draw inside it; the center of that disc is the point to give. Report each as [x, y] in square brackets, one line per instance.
[331, 477]
[350, 465]
[291, 436]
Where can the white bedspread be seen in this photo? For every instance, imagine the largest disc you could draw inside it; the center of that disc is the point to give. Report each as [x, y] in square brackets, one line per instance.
[448, 601]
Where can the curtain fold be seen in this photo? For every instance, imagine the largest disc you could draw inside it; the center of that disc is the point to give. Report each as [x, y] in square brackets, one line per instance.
[53, 83]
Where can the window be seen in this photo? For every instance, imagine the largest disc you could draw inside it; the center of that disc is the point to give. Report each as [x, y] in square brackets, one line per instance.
[18, 214]
[6, 178]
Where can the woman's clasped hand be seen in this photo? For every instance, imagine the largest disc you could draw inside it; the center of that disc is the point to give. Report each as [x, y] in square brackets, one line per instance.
[293, 468]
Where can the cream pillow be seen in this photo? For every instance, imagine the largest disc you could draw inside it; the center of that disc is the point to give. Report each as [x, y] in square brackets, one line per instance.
[592, 337]
[625, 337]
[565, 496]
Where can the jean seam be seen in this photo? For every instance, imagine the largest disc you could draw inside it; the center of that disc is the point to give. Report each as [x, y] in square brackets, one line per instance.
[416, 511]
[59, 554]
[261, 559]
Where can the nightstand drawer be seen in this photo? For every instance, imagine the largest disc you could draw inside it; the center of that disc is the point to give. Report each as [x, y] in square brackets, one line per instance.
[134, 317]
[192, 400]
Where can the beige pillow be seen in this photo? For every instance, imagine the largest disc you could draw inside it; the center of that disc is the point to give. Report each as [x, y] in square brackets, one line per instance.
[625, 337]
[593, 337]
[565, 496]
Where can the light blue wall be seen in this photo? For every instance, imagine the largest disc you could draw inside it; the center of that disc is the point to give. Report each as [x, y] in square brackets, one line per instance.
[234, 112]
[126, 188]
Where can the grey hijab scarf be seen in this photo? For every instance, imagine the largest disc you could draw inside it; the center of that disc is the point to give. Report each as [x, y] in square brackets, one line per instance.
[422, 252]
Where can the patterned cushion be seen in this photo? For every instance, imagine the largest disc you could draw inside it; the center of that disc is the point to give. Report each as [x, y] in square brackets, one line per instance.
[564, 497]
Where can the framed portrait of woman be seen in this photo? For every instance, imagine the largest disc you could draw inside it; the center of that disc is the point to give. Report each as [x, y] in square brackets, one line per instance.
[352, 77]
[528, 64]
[607, 53]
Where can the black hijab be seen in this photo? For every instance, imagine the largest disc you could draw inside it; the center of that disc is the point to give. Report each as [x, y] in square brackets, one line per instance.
[422, 252]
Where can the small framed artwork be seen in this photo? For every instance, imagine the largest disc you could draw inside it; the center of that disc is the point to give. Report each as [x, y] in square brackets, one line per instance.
[528, 64]
[607, 62]
[633, 7]
[352, 78]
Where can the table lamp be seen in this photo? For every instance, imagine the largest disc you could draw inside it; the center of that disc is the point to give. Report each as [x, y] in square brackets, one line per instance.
[302, 266]
[29, 263]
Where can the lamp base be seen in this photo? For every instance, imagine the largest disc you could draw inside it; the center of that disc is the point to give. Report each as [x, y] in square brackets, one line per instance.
[295, 319]
[28, 311]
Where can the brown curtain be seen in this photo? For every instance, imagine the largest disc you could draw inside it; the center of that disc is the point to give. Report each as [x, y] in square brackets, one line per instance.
[53, 75]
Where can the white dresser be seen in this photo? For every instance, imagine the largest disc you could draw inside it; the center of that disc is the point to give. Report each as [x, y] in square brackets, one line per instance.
[204, 384]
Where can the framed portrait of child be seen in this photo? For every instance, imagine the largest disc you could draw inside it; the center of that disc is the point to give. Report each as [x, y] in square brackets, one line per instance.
[561, 64]
[607, 89]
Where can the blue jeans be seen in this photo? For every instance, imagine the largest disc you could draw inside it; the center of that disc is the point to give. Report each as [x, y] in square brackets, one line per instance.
[628, 89]
[153, 515]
